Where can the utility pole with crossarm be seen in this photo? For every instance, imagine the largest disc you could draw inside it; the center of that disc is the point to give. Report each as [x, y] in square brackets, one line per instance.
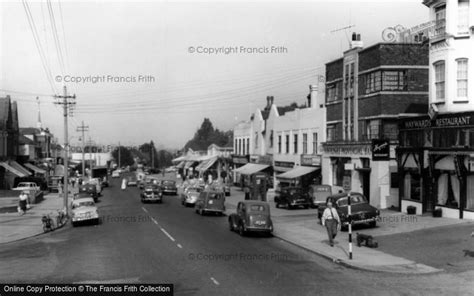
[67, 101]
[83, 128]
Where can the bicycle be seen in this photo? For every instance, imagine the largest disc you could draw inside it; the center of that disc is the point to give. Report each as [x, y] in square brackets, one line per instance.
[47, 223]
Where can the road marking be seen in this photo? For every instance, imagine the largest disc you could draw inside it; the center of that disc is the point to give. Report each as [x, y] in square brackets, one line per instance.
[154, 221]
[167, 234]
[214, 281]
[180, 246]
[144, 210]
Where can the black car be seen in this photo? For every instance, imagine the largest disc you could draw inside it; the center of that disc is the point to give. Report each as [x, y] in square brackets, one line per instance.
[152, 193]
[251, 216]
[361, 211]
[169, 187]
[292, 197]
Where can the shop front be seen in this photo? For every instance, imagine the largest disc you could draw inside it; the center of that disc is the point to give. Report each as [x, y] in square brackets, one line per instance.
[436, 165]
[238, 161]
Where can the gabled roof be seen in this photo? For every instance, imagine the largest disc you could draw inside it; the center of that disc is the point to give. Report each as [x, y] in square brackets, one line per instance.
[29, 130]
[22, 140]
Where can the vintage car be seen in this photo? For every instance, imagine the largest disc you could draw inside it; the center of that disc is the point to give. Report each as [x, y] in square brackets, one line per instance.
[84, 209]
[90, 189]
[251, 216]
[210, 201]
[152, 193]
[116, 174]
[132, 181]
[361, 211]
[190, 195]
[292, 197]
[169, 187]
[98, 184]
[319, 193]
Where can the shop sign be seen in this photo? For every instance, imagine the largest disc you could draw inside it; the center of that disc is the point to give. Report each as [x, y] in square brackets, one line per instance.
[380, 149]
[345, 150]
[448, 120]
[310, 160]
[240, 159]
[284, 164]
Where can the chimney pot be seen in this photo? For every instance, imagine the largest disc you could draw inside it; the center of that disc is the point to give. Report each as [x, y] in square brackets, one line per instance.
[354, 36]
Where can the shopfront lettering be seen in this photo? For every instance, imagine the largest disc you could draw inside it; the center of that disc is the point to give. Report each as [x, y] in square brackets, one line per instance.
[418, 123]
[440, 121]
[348, 150]
[454, 121]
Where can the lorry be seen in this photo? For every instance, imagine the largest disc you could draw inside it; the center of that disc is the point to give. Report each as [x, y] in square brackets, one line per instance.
[101, 172]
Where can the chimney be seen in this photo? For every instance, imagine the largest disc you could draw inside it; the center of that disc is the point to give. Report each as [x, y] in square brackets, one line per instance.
[271, 100]
[268, 102]
[356, 42]
[312, 96]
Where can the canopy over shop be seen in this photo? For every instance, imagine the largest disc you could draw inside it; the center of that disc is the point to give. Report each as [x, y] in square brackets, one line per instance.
[299, 176]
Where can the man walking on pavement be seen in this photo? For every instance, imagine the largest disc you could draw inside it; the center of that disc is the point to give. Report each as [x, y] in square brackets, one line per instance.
[331, 220]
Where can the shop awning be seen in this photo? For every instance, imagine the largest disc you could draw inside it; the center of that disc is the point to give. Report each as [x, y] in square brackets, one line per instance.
[251, 168]
[178, 159]
[207, 164]
[180, 165]
[18, 167]
[12, 169]
[35, 168]
[297, 172]
[188, 164]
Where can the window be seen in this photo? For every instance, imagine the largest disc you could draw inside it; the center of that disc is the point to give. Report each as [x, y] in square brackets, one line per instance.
[463, 16]
[462, 78]
[295, 143]
[305, 143]
[240, 146]
[412, 186]
[248, 146]
[256, 140]
[394, 80]
[440, 26]
[439, 79]
[236, 146]
[374, 129]
[315, 143]
[373, 82]
[287, 143]
[279, 144]
[331, 133]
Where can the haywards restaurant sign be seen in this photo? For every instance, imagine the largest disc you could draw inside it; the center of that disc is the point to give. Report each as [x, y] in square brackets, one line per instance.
[448, 120]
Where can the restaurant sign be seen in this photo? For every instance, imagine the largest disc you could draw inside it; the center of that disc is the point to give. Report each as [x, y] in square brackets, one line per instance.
[310, 160]
[380, 150]
[448, 120]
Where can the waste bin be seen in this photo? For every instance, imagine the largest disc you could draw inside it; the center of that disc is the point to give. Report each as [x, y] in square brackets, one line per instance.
[411, 210]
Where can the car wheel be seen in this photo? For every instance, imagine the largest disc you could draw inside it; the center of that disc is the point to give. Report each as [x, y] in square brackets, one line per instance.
[306, 206]
[74, 224]
[373, 224]
[201, 212]
[277, 205]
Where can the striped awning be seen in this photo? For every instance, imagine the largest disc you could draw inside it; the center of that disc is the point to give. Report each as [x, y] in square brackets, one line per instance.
[12, 169]
[188, 164]
[35, 168]
[207, 164]
[180, 165]
[18, 167]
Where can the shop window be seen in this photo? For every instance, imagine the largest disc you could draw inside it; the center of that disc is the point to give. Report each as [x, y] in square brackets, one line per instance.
[394, 180]
[448, 190]
[470, 193]
[413, 186]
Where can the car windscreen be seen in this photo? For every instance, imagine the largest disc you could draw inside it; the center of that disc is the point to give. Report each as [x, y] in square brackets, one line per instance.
[168, 183]
[83, 204]
[355, 199]
[215, 196]
[257, 208]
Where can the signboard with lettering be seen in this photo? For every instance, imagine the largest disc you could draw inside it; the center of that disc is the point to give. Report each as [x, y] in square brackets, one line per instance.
[444, 120]
[285, 164]
[346, 183]
[380, 149]
[310, 160]
[345, 150]
[240, 159]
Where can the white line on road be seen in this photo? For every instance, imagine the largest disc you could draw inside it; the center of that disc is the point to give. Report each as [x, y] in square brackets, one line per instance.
[145, 210]
[167, 234]
[214, 281]
[180, 246]
[154, 221]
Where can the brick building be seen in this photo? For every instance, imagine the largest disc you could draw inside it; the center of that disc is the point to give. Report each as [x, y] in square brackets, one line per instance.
[366, 90]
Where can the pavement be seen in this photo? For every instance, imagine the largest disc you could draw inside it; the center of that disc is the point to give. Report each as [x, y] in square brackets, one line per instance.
[302, 228]
[14, 227]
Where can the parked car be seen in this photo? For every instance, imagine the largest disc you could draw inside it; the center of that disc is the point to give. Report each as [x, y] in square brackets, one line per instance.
[292, 197]
[91, 189]
[169, 187]
[132, 181]
[84, 209]
[190, 195]
[27, 186]
[116, 174]
[98, 184]
[152, 193]
[210, 201]
[319, 193]
[251, 216]
[361, 211]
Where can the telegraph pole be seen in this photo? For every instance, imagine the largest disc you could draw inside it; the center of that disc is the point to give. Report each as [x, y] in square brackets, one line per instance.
[83, 128]
[119, 157]
[66, 102]
[90, 157]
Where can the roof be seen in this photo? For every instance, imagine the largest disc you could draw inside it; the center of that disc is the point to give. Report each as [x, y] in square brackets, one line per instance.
[22, 140]
[284, 109]
[29, 130]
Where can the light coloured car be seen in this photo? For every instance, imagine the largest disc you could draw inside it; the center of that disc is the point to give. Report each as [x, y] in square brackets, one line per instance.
[116, 174]
[84, 209]
[27, 186]
[190, 195]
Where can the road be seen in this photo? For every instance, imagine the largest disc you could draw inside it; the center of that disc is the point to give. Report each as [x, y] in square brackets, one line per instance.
[167, 243]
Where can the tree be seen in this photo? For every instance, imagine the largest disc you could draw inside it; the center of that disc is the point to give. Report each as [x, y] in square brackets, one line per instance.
[126, 156]
[207, 135]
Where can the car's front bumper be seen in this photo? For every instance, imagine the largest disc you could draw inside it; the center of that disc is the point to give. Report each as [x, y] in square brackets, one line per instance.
[84, 218]
[360, 221]
[174, 191]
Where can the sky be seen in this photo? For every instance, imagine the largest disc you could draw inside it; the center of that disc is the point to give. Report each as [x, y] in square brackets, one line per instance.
[154, 70]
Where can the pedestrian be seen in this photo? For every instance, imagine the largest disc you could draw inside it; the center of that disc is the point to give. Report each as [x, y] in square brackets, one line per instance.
[23, 201]
[247, 193]
[60, 188]
[124, 184]
[331, 220]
